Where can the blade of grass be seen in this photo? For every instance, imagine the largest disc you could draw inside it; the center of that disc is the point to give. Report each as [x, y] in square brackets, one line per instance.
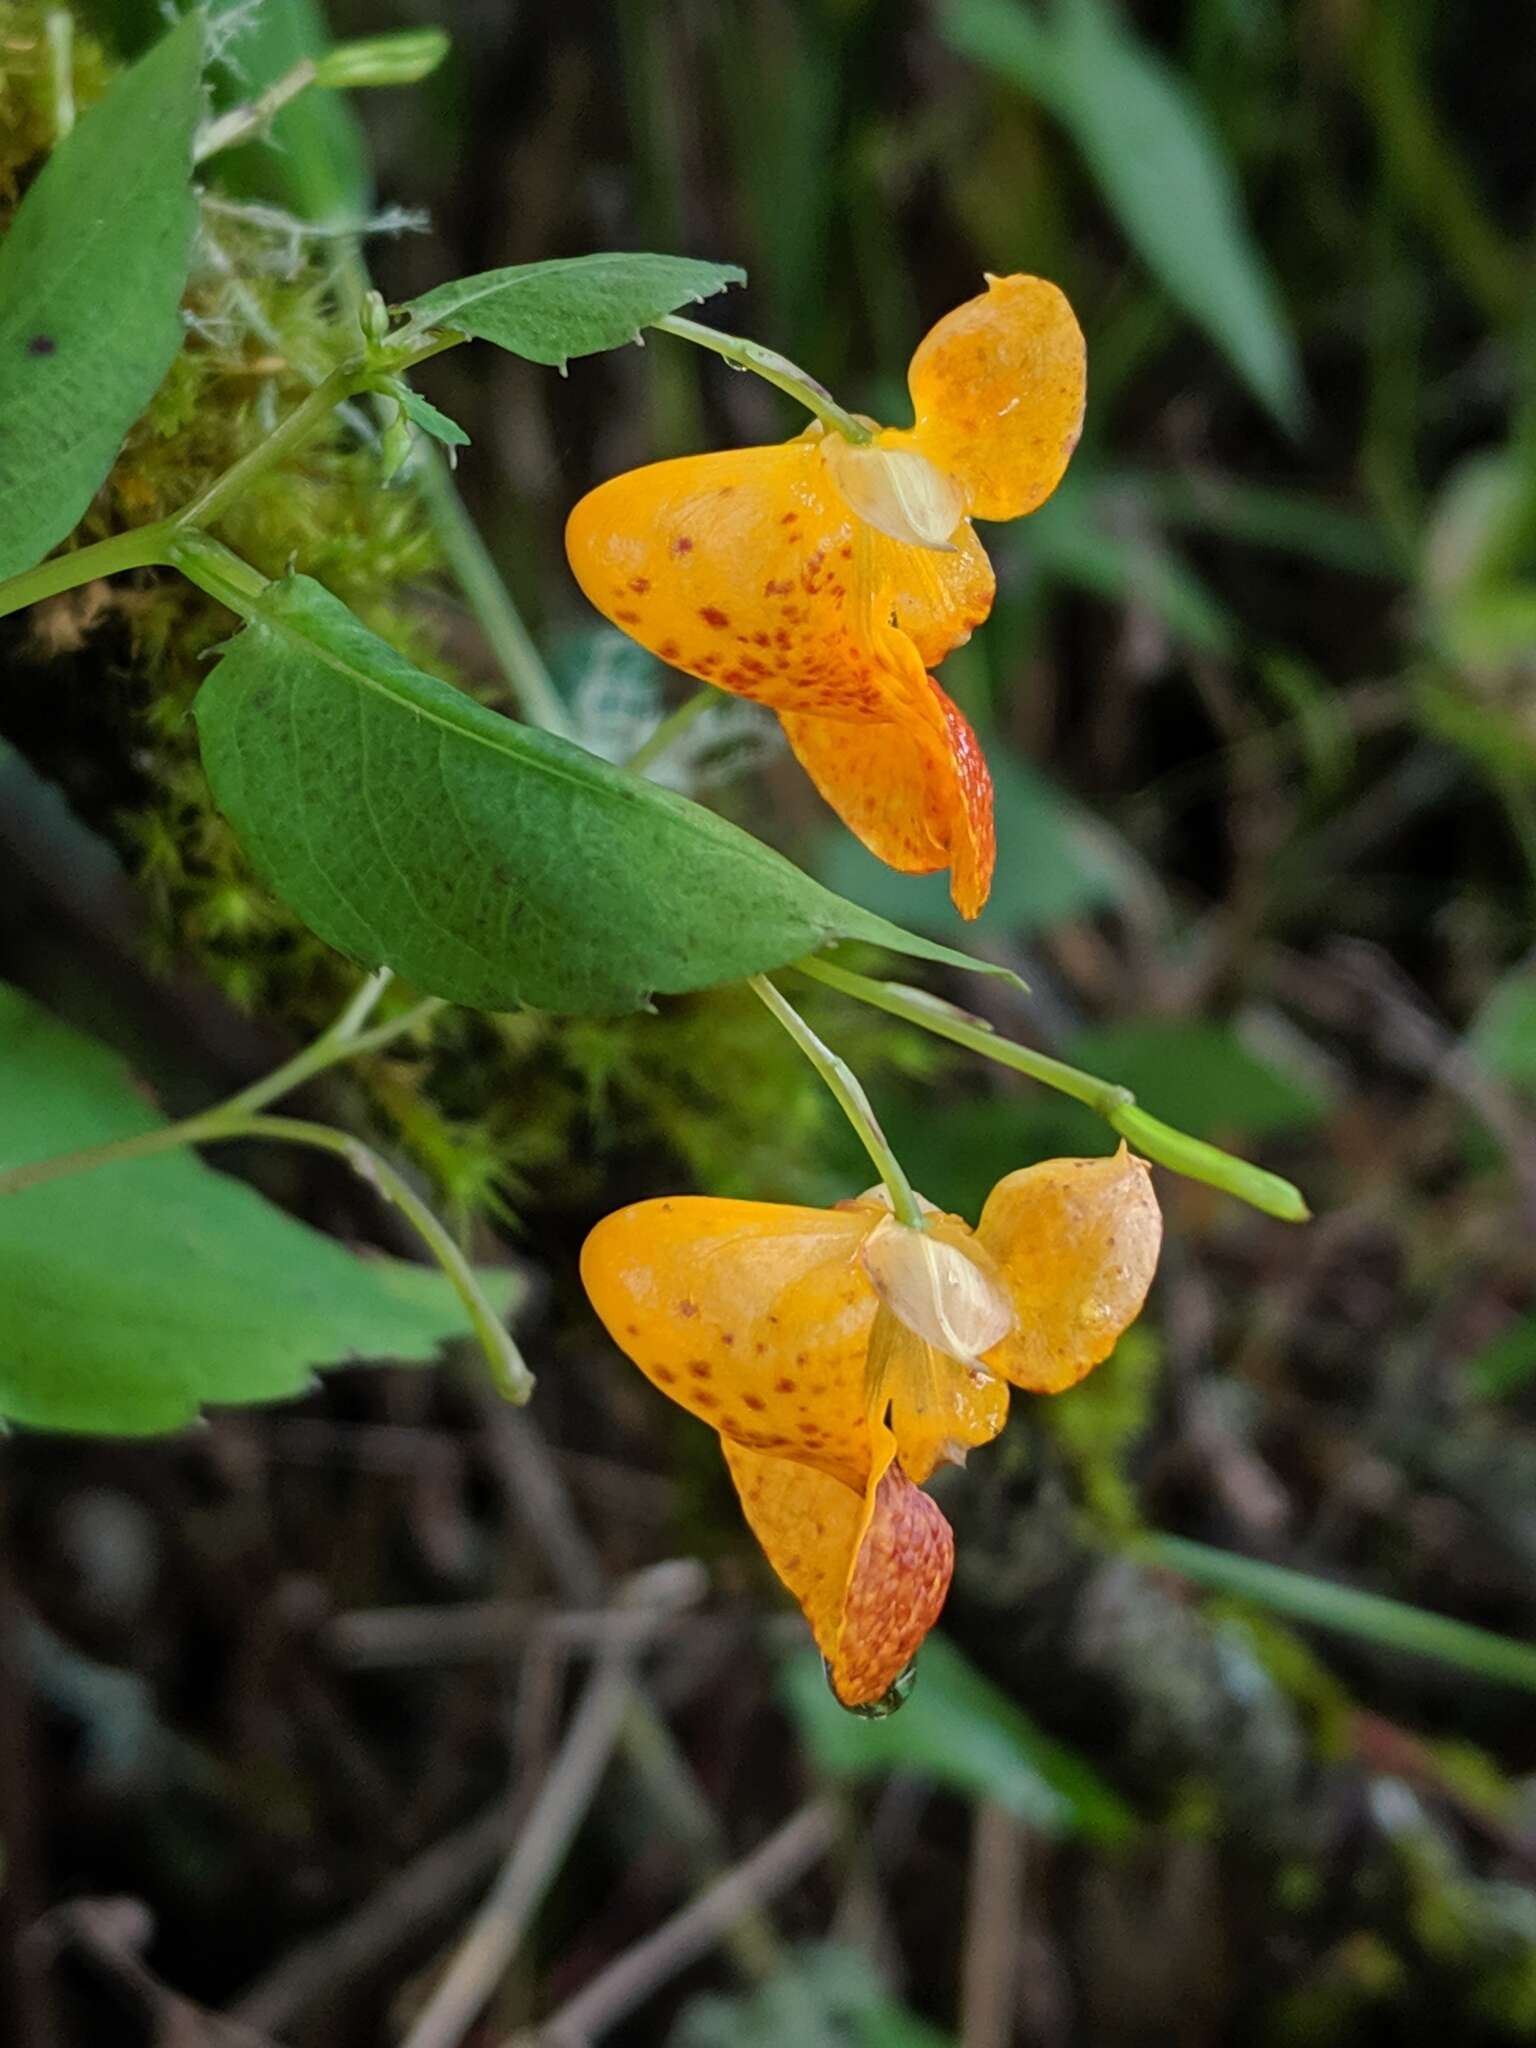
[1346, 1610]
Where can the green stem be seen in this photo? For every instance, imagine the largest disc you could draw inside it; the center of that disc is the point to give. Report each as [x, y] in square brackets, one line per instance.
[1117, 1105]
[146, 547]
[513, 1379]
[775, 369]
[343, 382]
[480, 580]
[851, 1099]
[59, 27]
[216, 569]
[343, 1040]
[390, 358]
[1103, 1097]
[243, 123]
[670, 730]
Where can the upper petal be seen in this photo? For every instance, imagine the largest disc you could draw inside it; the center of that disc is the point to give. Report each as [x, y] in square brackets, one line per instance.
[870, 1569]
[916, 790]
[755, 1316]
[998, 387]
[1077, 1240]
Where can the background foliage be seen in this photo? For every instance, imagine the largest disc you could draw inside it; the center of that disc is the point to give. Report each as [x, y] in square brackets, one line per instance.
[1261, 694]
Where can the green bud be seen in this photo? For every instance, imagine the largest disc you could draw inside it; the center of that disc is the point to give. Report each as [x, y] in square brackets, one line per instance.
[395, 445]
[401, 59]
[373, 317]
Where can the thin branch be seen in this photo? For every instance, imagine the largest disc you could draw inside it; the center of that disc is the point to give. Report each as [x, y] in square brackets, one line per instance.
[498, 1928]
[679, 1942]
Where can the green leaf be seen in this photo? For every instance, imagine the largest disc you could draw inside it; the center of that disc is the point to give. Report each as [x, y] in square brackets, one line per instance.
[1503, 1034]
[1055, 862]
[1159, 164]
[424, 414]
[1505, 1364]
[314, 158]
[486, 862]
[574, 306]
[1067, 539]
[818, 1997]
[133, 1295]
[960, 1731]
[1201, 1076]
[91, 276]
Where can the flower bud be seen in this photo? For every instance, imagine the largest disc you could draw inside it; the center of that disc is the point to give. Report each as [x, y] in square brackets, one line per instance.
[401, 59]
[373, 317]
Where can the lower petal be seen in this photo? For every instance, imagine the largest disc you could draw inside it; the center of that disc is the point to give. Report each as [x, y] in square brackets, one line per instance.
[918, 794]
[939, 1408]
[870, 1570]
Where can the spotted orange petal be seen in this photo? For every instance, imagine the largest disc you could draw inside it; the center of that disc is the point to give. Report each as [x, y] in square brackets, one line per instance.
[917, 792]
[1077, 1241]
[998, 387]
[870, 1568]
[737, 567]
[755, 1316]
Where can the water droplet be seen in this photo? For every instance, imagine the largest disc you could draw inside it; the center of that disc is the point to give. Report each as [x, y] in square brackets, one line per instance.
[889, 1702]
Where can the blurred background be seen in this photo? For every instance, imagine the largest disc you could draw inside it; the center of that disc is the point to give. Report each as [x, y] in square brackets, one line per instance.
[279, 1694]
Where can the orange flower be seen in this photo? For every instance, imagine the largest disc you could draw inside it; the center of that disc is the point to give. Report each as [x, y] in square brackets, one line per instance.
[825, 579]
[842, 1355]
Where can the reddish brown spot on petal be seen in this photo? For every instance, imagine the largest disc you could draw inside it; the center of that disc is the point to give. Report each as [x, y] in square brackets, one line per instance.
[755, 1401]
[640, 585]
[682, 545]
[700, 1368]
[669, 650]
[784, 1386]
[712, 615]
[626, 618]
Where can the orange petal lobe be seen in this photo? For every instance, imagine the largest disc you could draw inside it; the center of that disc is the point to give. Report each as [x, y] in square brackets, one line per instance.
[738, 568]
[916, 792]
[939, 1408]
[998, 387]
[870, 1569]
[754, 1316]
[937, 600]
[1077, 1240]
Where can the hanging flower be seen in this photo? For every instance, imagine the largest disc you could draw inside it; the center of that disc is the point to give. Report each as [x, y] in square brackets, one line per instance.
[825, 579]
[842, 1356]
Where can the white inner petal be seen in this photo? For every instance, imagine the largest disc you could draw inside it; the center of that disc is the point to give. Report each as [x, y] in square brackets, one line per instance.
[897, 491]
[936, 1291]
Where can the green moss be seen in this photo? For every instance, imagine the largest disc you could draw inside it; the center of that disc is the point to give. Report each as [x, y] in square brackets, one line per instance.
[1098, 1423]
